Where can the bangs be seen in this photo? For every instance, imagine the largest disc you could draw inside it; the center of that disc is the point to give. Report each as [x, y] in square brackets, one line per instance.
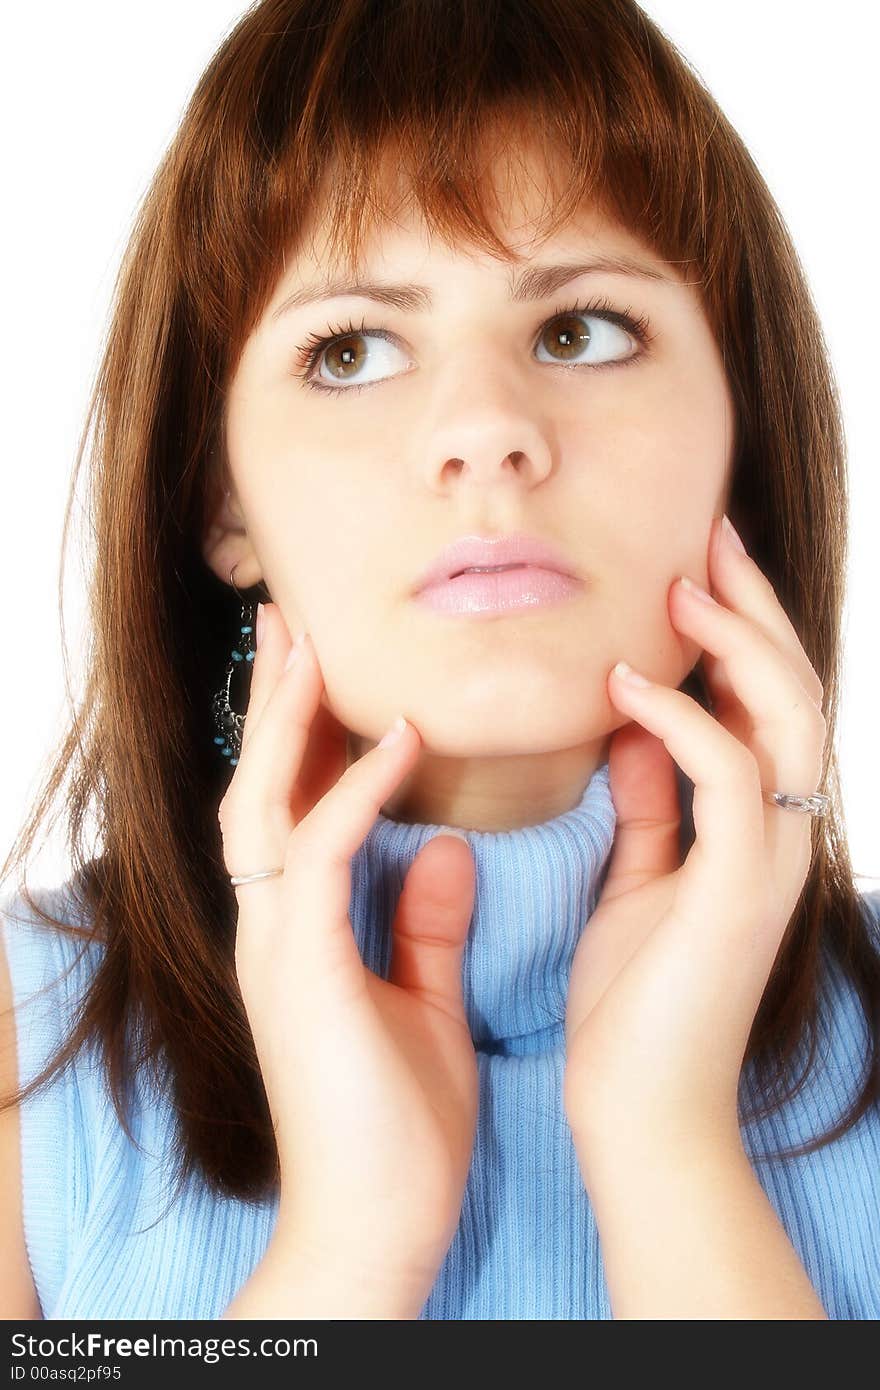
[461, 191]
[352, 113]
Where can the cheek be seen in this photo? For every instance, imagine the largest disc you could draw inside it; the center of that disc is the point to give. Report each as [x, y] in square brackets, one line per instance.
[320, 528]
[649, 477]
[647, 408]
[646, 521]
[337, 580]
[659, 648]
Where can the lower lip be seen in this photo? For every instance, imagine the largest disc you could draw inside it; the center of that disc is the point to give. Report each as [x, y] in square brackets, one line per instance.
[504, 591]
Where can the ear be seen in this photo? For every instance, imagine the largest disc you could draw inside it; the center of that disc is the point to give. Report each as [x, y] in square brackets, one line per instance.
[226, 544]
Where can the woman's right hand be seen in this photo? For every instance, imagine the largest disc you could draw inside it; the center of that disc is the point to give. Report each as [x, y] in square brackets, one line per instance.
[372, 1084]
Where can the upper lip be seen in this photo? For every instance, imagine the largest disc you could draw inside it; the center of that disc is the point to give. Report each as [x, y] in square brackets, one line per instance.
[517, 549]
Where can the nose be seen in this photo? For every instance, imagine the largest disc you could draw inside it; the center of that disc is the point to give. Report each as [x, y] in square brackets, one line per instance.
[487, 431]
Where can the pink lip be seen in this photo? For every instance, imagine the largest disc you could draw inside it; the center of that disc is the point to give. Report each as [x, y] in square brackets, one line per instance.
[516, 549]
[506, 591]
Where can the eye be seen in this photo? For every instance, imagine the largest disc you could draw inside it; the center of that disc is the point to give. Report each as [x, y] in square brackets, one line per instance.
[588, 337]
[362, 356]
[345, 353]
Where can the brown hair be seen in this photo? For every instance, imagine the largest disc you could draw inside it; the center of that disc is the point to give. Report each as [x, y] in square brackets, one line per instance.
[302, 97]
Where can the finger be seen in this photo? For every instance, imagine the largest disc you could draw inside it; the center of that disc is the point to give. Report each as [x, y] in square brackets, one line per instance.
[269, 660]
[740, 584]
[256, 813]
[317, 863]
[787, 735]
[648, 814]
[431, 923]
[725, 866]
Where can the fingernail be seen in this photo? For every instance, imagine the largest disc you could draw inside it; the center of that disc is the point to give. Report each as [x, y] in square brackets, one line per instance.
[695, 589]
[624, 670]
[729, 530]
[295, 651]
[261, 622]
[393, 733]
[453, 830]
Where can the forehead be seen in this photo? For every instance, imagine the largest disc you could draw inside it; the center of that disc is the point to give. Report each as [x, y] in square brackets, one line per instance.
[399, 242]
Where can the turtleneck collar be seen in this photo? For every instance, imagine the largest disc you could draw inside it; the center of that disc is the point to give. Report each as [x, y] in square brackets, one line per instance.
[535, 889]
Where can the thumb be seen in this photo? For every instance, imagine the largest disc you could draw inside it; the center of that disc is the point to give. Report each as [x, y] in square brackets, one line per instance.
[431, 923]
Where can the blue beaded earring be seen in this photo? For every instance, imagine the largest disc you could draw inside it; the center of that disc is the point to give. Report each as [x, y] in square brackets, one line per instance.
[227, 721]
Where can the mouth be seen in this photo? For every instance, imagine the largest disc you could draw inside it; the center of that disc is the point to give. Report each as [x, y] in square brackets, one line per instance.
[488, 555]
[497, 590]
[488, 569]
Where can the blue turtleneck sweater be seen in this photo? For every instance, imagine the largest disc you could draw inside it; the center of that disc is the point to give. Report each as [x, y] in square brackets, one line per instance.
[104, 1244]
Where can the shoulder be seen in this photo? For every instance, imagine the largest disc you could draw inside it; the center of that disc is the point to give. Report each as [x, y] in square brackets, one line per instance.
[870, 901]
[842, 988]
[846, 1028]
[63, 936]
[49, 963]
[44, 970]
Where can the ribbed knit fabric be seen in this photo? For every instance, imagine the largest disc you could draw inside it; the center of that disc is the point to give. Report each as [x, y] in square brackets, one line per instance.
[104, 1244]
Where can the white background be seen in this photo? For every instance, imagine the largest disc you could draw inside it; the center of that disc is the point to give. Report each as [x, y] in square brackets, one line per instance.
[92, 94]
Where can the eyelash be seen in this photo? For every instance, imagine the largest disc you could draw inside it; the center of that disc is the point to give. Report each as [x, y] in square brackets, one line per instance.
[316, 343]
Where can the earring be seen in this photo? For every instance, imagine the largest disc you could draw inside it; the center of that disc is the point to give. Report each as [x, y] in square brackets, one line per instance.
[228, 722]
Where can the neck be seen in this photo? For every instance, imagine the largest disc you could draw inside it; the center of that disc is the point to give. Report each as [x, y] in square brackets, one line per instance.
[534, 891]
[491, 793]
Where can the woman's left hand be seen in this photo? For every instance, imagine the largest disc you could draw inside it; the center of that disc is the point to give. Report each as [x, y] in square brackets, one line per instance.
[673, 962]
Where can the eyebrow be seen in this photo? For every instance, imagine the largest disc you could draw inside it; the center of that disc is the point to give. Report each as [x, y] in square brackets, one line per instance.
[537, 282]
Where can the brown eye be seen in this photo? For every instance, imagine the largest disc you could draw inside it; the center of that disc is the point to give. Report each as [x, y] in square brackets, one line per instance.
[343, 357]
[567, 336]
[584, 339]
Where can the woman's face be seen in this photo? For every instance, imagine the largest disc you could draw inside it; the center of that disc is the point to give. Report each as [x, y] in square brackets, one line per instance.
[479, 414]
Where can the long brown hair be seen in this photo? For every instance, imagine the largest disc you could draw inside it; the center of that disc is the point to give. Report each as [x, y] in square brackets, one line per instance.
[306, 98]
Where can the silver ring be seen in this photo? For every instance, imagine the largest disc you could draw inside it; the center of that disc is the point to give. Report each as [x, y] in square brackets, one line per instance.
[815, 805]
[251, 878]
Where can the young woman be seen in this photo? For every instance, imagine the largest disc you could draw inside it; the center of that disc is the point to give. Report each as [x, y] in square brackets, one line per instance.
[420, 289]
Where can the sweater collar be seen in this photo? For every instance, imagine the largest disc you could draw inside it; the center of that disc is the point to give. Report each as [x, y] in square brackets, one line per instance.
[535, 889]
